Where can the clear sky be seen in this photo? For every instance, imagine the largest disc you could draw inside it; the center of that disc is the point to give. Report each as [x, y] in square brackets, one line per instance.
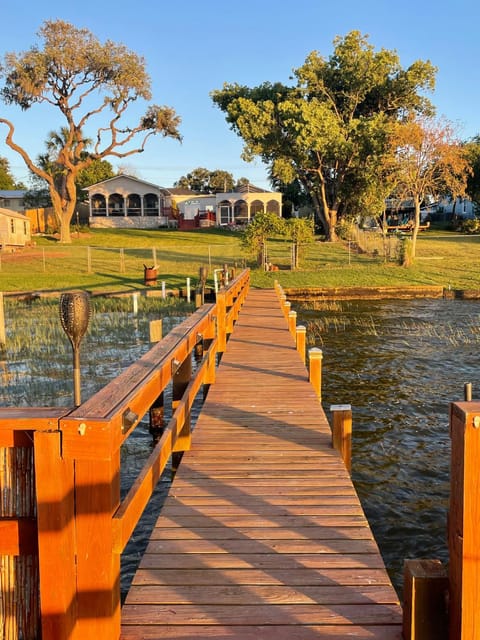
[192, 47]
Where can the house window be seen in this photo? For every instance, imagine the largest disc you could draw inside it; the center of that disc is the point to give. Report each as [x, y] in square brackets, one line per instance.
[6, 202]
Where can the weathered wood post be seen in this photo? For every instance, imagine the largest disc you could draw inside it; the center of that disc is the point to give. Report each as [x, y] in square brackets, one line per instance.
[301, 341]
[342, 432]
[292, 323]
[315, 357]
[425, 589]
[464, 522]
[156, 330]
[156, 412]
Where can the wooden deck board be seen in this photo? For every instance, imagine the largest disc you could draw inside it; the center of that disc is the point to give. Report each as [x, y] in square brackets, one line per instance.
[262, 535]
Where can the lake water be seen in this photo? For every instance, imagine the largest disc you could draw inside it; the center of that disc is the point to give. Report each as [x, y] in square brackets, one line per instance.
[398, 363]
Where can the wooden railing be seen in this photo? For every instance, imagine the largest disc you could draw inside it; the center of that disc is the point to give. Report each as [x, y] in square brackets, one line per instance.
[80, 526]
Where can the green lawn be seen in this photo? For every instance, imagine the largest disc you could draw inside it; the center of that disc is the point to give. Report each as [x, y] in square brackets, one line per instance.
[115, 259]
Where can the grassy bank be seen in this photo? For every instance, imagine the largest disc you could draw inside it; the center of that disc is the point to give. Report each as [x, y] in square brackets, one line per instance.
[113, 260]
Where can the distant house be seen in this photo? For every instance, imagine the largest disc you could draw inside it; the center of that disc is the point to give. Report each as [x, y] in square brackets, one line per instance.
[14, 200]
[125, 201]
[14, 229]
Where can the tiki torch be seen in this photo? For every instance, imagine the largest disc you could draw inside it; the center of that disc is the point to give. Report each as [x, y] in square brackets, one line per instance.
[74, 316]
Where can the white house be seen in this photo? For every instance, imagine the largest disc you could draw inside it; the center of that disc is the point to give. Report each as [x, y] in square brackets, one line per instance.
[125, 201]
[13, 200]
[14, 229]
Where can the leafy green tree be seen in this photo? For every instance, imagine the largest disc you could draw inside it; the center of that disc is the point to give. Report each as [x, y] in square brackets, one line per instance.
[202, 180]
[472, 149]
[323, 130]
[7, 181]
[301, 232]
[256, 233]
[86, 81]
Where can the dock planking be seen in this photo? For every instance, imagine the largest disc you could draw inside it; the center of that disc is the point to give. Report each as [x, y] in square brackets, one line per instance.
[262, 534]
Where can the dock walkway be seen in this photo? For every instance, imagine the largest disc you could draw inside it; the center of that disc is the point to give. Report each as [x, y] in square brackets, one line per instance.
[262, 535]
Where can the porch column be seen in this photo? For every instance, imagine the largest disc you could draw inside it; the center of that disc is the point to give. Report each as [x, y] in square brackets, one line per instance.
[125, 213]
[142, 206]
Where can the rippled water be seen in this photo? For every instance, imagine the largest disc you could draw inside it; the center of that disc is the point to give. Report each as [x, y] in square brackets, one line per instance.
[399, 364]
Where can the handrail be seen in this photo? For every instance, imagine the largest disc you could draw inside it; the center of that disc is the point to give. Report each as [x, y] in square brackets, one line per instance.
[80, 512]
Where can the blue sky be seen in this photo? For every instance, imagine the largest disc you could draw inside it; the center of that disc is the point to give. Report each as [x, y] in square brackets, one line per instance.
[192, 47]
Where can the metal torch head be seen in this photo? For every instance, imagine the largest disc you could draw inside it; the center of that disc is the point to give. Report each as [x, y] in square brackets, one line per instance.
[75, 314]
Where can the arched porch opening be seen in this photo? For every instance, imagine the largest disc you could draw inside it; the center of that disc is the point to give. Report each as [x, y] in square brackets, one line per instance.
[256, 206]
[134, 205]
[273, 207]
[116, 204]
[151, 204]
[99, 205]
[240, 212]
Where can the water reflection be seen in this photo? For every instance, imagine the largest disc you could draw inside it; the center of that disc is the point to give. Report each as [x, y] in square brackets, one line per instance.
[399, 364]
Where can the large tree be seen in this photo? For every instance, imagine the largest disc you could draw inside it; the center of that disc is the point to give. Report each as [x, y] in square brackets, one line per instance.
[324, 129]
[203, 180]
[429, 161]
[92, 85]
[95, 171]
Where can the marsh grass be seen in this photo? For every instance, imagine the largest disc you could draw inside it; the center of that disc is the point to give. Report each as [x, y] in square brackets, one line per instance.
[36, 364]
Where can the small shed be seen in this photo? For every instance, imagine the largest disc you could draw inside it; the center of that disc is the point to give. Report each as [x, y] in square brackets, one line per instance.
[14, 229]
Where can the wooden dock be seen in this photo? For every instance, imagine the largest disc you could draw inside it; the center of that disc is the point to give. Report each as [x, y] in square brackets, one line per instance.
[262, 535]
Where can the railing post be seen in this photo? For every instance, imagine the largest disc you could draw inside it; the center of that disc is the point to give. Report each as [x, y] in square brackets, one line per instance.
[425, 600]
[342, 432]
[464, 521]
[315, 357]
[180, 381]
[221, 321]
[301, 341]
[286, 308]
[97, 497]
[54, 479]
[292, 322]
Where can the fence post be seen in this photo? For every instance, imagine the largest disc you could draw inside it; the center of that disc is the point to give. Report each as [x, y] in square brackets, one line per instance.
[286, 308]
[301, 340]
[464, 521]
[315, 357]
[292, 322]
[424, 600]
[342, 432]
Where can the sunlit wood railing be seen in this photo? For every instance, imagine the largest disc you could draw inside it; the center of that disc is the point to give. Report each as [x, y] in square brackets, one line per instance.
[75, 527]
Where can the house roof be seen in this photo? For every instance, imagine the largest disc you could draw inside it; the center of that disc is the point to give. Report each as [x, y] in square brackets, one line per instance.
[16, 193]
[12, 214]
[250, 188]
[181, 191]
[121, 175]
